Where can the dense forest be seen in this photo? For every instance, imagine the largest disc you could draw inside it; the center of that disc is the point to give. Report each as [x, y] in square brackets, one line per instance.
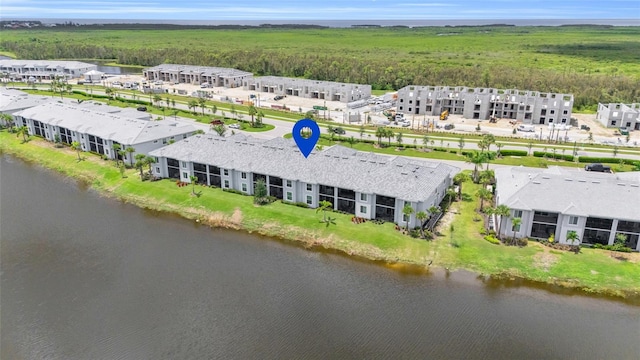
[594, 69]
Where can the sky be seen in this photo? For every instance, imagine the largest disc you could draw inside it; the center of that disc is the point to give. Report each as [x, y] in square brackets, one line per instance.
[217, 10]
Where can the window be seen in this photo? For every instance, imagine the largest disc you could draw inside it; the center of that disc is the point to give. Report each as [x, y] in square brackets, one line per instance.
[184, 165]
[552, 112]
[405, 218]
[515, 228]
[157, 169]
[363, 209]
[244, 187]
[243, 175]
[288, 183]
[363, 197]
[289, 196]
[309, 187]
[226, 183]
[309, 200]
[185, 175]
[573, 220]
[565, 112]
[613, 123]
[517, 214]
[226, 172]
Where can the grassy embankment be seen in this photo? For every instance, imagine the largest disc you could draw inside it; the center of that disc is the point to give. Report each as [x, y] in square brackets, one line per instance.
[594, 271]
[596, 63]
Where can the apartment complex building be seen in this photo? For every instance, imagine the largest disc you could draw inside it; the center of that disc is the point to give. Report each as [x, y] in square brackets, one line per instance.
[555, 201]
[190, 74]
[617, 115]
[530, 107]
[36, 70]
[364, 184]
[98, 127]
[313, 89]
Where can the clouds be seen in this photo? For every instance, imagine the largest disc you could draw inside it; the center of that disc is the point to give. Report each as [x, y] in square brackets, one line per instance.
[217, 10]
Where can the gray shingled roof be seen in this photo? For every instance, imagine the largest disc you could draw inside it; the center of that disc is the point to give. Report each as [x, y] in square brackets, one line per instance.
[50, 64]
[569, 191]
[206, 70]
[407, 179]
[115, 126]
[12, 100]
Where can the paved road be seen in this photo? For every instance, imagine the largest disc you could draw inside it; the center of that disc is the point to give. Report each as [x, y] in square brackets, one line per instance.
[439, 139]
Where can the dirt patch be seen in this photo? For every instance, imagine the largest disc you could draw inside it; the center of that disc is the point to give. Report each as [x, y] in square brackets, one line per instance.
[629, 257]
[544, 260]
[236, 217]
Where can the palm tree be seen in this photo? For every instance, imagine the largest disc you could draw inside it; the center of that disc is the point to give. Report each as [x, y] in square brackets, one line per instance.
[399, 139]
[407, 210]
[529, 146]
[324, 205]
[150, 160]
[24, 131]
[501, 211]
[460, 143]
[351, 140]
[572, 236]
[203, 104]
[219, 129]
[252, 112]
[488, 140]
[458, 179]
[156, 99]
[192, 105]
[451, 194]
[425, 141]
[515, 223]
[77, 147]
[8, 120]
[361, 131]
[140, 163]
[477, 159]
[233, 110]
[486, 177]
[434, 211]
[193, 180]
[116, 151]
[389, 134]
[130, 150]
[380, 133]
[422, 217]
[259, 117]
[214, 109]
[483, 194]
[499, 146]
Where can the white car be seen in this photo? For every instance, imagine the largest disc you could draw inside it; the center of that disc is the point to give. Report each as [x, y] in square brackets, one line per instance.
[234, 126]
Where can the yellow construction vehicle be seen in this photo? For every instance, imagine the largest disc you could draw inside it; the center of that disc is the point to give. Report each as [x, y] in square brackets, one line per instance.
[444, 115]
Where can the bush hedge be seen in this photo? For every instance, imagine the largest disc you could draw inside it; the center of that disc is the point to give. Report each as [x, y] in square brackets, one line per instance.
[513, 153]
[607, 160]
[556, 156]
[492, 239]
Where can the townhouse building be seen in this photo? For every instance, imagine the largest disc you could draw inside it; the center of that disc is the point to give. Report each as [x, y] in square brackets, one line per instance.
[364, 184]
[98, 127]
[191, 74]
[554, 201]
[312, 89]
[36, 70]
[615, 115]
[529, 107]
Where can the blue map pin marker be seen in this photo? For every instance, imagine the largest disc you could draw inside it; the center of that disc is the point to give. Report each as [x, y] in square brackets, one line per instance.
[306, 145]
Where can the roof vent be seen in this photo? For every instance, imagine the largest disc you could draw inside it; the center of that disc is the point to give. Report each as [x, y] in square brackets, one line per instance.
[536, 182]
[582, 180]
[545, 177]
[621, 184]
[595, 182]
[567, 179]
[634, 185]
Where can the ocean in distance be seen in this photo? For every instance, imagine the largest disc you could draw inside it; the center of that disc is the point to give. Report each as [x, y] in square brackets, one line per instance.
[349, 23]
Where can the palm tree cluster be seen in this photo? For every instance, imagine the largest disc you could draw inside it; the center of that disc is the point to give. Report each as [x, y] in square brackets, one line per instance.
[383, 132]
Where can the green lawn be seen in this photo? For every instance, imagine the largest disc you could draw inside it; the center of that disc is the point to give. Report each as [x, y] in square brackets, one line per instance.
[594, 270]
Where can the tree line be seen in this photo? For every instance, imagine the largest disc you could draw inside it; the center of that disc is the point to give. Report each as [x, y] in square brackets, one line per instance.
[382, 73]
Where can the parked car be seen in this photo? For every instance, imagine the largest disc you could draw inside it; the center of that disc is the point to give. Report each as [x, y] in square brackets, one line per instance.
[278, 97]
[217, 122]
[584, 127]
[448, 127]
[234, 126]
[142, 108]
[338, 130]
[624, 131]
[597, 167]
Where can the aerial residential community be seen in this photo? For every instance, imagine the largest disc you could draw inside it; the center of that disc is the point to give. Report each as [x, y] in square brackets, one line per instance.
[319, 180]
[367, 185]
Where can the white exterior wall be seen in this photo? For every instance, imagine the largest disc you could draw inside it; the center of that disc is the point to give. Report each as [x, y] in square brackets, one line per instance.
[369, 203]
[565, 227]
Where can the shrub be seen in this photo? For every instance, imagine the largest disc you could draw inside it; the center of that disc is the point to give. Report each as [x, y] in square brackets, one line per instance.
[492, 239]
[483, 231]
[234, 191]
[612, 248]
[591, 159]
[513, 152]
[557, 156]
[298, 204]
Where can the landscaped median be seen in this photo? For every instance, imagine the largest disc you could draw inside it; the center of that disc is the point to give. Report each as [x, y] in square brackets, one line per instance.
[594, 271]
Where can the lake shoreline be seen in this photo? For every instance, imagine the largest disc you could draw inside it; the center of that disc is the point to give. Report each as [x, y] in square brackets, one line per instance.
[312, 240]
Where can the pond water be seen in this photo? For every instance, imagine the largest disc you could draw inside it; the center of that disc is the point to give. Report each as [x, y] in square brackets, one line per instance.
[84, 277]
